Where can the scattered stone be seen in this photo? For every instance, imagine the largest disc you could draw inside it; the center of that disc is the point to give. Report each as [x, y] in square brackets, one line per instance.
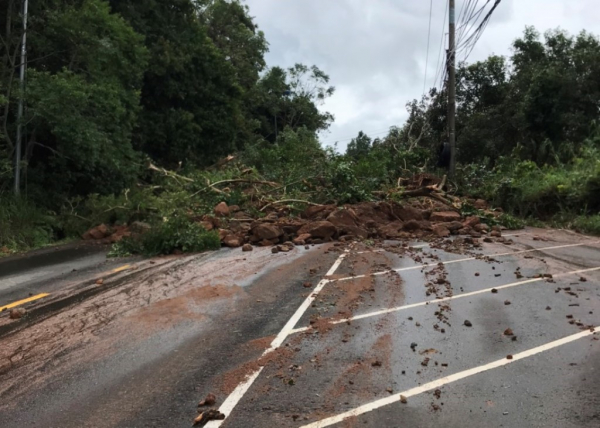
[403, 399]
[247, 247]
[413, 346]
[477, 273]
[468, 323]
[507, 302]
[209, 415]
[488, 239]
[508, 332]
[437, 393]
[390, 390]
[210, 400]
[444, 216]
[222, 210]
[376, 363]
[509, 357]
[307, 285]
[99, 281]
[17, 313]
[285, 248]
[548, 308]
[275, 250]
[495, 291]
[497, 275]
[583, 279]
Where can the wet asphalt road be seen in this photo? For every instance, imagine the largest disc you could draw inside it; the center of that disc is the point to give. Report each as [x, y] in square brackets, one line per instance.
[145, 361]
[49, 269]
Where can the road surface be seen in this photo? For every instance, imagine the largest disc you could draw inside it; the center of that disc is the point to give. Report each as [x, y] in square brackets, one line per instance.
[388, 335]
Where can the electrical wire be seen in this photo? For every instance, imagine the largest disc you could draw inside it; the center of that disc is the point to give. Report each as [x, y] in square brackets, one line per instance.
[440, 65]
[428, 40]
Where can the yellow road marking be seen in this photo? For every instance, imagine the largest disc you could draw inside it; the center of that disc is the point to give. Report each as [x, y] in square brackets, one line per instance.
[22, 302]
[120, 269]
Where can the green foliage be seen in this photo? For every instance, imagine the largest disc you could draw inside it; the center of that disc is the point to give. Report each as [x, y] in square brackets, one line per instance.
[511, 222]
[23, 225]
[175, 233]
[587, 224]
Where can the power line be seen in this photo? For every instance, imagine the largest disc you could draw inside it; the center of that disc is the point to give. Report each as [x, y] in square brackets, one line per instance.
[469, 44]
[440, 66]
[428, 39]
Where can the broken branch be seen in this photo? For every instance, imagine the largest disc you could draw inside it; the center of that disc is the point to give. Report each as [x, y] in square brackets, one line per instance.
[283, 201]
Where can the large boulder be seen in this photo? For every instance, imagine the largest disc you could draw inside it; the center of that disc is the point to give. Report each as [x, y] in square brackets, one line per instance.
[98, 232]
[445, 216]
[471, 221]
[391, 230]
[343, 217]
[453, 225]
[317, 211]
[301, 239]
[441, 230]
[266, 231]
[480, 204]
[319, 229]
[407, 213]
[232, 241]
[412, 225]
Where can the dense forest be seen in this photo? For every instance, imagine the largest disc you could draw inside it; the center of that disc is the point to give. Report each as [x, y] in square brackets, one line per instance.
[135, 109]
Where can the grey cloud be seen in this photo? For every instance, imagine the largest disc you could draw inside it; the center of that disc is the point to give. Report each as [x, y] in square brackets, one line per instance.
[375, 50]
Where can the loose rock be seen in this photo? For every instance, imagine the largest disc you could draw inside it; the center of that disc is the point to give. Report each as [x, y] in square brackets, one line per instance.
[17, 313]
[247, 247]
[222, 210]
[468, 323]
[210, 400]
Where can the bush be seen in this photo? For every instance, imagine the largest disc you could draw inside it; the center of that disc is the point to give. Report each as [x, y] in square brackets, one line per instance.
[176, 233]
[590, 224]
[525, 189]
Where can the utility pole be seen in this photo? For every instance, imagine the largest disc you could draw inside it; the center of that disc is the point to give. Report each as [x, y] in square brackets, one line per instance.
[21, 102]
[452, 89]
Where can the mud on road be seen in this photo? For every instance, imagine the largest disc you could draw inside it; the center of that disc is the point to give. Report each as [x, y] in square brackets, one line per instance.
[347, 347]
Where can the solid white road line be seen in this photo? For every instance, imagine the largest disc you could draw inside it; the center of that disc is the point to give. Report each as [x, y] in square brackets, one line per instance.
[466, 259]
[382, 250]
[448, 379]
[239, 392]
[445, 299]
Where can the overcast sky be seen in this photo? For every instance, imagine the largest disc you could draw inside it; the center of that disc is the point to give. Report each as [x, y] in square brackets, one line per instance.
[375, 50]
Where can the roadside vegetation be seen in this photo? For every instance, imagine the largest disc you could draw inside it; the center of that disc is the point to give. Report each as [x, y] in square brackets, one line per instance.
[136, 121]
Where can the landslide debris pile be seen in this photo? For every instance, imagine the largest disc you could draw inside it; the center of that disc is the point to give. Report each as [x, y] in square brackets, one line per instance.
[417, 208]
[419, 219]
